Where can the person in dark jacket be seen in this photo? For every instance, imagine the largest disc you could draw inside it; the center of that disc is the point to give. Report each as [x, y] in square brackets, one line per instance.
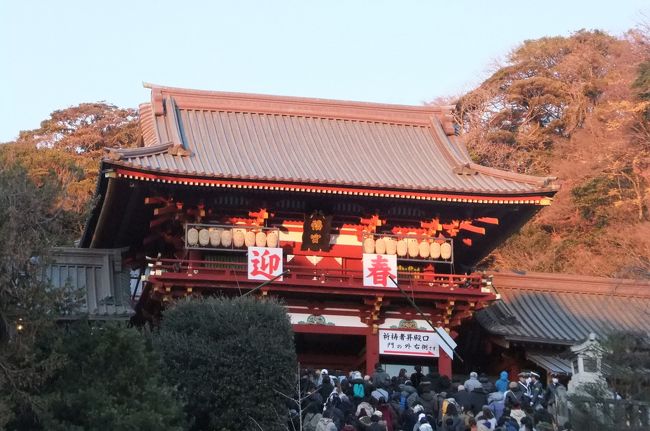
[426, 398]
[376, 422]
[465, 399]
[452, 421]
[486, 383]
[536, 390]
[402, 377]
[512, 395]
[416, 377]
[326, 387]
[478, 399]
[507, 422]
[380, 378]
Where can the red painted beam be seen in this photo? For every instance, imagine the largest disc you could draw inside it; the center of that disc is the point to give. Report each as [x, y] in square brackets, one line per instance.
[329, 329]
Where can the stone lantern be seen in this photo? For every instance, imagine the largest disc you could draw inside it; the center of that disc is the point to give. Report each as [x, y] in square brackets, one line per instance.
[586, 364]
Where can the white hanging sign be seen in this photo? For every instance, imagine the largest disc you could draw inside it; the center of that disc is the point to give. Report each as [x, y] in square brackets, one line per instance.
[378, 269]
[408, 343]
[264, 263]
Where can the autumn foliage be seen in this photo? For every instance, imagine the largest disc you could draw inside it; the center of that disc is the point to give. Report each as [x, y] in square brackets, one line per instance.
[576, 108]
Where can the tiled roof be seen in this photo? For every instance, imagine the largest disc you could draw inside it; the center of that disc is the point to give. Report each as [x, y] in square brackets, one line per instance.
[564, 309]
[312, 141]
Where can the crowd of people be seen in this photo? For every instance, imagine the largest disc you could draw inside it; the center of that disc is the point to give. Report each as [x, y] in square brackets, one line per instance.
[427, 402]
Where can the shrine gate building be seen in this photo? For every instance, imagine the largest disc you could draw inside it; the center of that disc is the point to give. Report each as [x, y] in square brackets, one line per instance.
[321, 185]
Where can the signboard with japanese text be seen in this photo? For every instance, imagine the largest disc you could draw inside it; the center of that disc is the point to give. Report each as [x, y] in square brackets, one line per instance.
[377, 268]
[264, 263]
[408, 343]
[316, 232]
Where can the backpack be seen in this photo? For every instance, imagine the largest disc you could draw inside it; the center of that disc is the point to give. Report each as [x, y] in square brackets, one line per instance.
[402, 401]
[446, 403]
[359, 391]
[509, 426]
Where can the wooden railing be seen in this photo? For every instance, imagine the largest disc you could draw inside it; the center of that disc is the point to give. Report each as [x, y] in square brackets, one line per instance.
[188, 271]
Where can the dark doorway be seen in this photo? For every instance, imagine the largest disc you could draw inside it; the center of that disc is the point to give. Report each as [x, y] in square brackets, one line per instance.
[331, 351]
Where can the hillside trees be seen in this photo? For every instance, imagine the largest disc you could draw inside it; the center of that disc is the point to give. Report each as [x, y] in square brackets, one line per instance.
[30, 222]
[572, 107]
[86, 128]
[47, 181]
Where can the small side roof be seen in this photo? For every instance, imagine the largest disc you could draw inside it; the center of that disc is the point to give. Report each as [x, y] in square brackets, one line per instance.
[565, 309]
[312, 141]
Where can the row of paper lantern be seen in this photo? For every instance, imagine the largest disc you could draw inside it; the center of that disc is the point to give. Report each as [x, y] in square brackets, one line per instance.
[410, 247]
[226, 238]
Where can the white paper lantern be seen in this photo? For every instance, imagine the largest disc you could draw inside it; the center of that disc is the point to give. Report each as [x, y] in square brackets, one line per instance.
[226, 238]
[424, 249]
[272, 239]
[380, 246]
[249, 238]
[401, 247]
[215, 237]
[434, 250]
[369, 245]
[391, 245]
[445, 250]
[192, 237]
[238, 237]
[204, 237]
[260, 239]
[413, 247]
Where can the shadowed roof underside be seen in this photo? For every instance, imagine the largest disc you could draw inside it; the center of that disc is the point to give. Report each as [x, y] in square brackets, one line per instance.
[312, 141]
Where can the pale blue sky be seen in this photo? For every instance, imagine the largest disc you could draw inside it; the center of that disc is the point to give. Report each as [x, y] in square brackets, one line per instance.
[59, 53]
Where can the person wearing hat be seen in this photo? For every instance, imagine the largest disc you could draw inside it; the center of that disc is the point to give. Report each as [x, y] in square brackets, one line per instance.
[536, 390]
[524, 388]
[473, 382]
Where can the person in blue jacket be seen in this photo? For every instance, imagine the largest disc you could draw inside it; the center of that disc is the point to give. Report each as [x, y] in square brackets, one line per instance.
[502, 383]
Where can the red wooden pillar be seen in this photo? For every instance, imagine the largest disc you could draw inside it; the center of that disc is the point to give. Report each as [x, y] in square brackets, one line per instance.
[444, 364]
[372, 351]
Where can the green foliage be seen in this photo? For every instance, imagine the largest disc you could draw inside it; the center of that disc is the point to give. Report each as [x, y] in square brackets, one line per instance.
[593, 199]
[642, 81]
[30, 222]
[111, 380]
[626, 363]
[230, 359]
[627, 360]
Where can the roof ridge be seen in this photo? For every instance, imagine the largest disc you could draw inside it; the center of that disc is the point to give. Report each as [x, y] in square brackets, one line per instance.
[547, 181]
[570, 283]
[296, 106]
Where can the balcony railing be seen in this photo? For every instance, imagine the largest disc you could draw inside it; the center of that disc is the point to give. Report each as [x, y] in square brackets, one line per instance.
[204, 272]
